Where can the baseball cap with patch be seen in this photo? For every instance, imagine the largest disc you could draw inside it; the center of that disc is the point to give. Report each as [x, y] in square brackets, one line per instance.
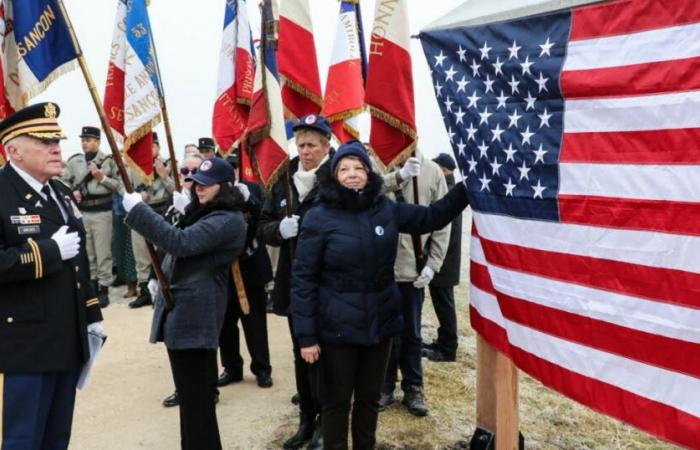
[38, 121]
[213, 171]
[90, 132]
[314, 122]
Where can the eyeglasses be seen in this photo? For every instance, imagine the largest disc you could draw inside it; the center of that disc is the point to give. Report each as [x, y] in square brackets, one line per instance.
[185, 171]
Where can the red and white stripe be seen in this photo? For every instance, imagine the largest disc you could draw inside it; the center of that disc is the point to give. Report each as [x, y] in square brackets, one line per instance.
[390, 83]
[604, 306]
[296, 56]
[234, 89]
[344, 98]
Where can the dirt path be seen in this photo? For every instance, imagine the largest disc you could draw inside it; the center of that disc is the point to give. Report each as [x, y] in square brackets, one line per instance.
[121, 407]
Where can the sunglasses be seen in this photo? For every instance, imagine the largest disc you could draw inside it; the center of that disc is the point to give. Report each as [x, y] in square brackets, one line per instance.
[185, 171]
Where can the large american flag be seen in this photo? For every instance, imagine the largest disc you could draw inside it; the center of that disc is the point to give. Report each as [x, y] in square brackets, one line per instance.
[577, 134]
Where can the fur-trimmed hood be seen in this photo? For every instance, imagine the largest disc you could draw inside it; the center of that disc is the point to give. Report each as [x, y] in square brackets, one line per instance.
[335, 195]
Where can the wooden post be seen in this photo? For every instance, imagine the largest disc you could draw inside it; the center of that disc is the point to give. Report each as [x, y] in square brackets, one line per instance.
[497, 395]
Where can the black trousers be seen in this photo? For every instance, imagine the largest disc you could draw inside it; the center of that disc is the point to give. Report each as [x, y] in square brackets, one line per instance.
[255, 331]
[194, 372]
[351, 372]
[406, 354]
[444, 303]
[308, 380]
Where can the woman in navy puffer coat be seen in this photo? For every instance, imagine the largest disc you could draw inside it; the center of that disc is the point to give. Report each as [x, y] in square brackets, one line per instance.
[345, 303]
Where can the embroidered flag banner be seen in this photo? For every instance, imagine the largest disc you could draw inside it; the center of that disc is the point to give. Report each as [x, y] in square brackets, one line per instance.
[390, 84]
[5, 107]
[38, 48]
[236, 74]
[132, 93]
[344, 98]
[301, 85]
[267, 136]
[577, 135]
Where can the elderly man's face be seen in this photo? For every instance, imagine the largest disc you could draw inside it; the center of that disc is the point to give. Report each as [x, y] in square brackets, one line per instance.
[189, 165]
[40, 158]
[312, 148]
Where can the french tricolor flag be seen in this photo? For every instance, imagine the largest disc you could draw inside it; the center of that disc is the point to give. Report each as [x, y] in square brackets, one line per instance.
[132, 93]
[390, 84]
[301, 88]
[234, 89]
[266, 133]
[344, 98]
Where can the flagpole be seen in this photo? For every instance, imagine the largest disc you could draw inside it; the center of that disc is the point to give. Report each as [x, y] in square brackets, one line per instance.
[166, 119]
[165, 287]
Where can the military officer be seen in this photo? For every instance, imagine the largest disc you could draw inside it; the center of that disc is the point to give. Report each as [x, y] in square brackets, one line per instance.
[48, 304]
[207, 147]
[158, 196]
[94, 178]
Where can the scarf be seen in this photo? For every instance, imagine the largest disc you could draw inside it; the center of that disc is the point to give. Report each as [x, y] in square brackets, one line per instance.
[304, 180]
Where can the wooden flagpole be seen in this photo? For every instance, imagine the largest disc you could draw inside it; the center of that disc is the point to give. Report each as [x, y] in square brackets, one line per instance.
[164, 285]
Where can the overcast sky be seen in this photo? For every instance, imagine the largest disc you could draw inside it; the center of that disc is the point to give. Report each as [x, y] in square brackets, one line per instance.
[188, 39]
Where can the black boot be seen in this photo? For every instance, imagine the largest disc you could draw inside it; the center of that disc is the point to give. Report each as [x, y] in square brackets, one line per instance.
[171, 400]
[413, 400]
[303, 434]
[144, 297]
[317, 439]
[103, 296]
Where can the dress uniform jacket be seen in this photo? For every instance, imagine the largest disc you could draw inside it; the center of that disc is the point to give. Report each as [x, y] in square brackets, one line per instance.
[99, 193]
[46, 303]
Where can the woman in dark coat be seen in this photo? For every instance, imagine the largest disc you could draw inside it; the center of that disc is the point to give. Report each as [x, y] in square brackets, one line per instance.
[345, 303]
[199, 252]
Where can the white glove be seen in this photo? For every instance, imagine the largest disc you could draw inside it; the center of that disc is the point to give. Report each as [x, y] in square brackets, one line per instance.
[289, 227]
[153, 287]
[244, 190]
[68, 243]
[181, 200]
[130, 200]
[96, 328]
[411, 168]
[424, 279]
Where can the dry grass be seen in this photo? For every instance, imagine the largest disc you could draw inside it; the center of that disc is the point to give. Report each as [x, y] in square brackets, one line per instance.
[548, 420]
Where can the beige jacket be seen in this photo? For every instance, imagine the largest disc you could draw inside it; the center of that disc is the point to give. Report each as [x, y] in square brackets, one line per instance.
[431, 187]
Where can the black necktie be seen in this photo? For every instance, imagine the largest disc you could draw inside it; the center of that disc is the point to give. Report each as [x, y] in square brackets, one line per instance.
[53, 207]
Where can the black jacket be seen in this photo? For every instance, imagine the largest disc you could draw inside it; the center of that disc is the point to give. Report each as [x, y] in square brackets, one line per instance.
[256, 268]
[451, 266]
[274, 210]
[343, 288]
[46, 303]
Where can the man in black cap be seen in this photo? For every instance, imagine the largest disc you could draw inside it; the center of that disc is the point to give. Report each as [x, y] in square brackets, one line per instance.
[94, 178]
[444, 348]
[207, 147]
[48, 304]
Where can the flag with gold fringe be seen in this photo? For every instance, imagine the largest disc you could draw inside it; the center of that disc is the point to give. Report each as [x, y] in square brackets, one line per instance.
[132, 93]
[344, 98]
[390, 84]
[267, 136]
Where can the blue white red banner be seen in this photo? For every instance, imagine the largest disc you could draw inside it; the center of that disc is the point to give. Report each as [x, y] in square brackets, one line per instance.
[576, 134]
[344, 98]
[266, 133]
[132, 93]
[38, 48]
[236, 75]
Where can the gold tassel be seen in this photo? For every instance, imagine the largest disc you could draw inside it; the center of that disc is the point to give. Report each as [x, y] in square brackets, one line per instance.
[300, 89]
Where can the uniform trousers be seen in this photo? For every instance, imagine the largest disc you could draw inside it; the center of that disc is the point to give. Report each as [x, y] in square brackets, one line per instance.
[98, 226]
[443, 299]
[407, 349]
[308, 380]
[351, 372]
[37, 410]
[141, 257]
[255, 331]
[194, 372]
